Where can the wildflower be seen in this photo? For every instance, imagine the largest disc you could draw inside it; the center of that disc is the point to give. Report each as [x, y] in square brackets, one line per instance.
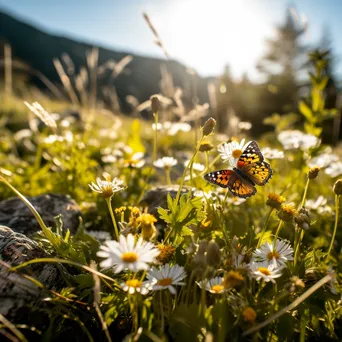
[134, 285]
[165, 162]
[166, 253]
[275, 201]
[232, 151]
[287, 212]
[264, 271]
[148, 230]
[249, 315]
[323, 160]
[235, 200]
[276, 253]
[245, 125]
[127, 254]
[338, 187]
[303, 219]
[107, 188]
[157, 126]
[270, 153]
[209, 126]
[232, 279]
[320, 205]
[176, 127]
[213, 285]
[166, 277]
[195, 166]
[313, 172]
[135, 161]
[120, 210]
[296, 139]
[334, 169]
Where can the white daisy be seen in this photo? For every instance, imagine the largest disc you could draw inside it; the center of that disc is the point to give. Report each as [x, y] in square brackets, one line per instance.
[323, 160]
[213, 285]
[235, 200]
[276, 255]
[135, 285]
[166, 277]
[264, 271]
[165, 162]
[107, 187]
[128, 254]
[135, 161]
[178, 127]
[245, 125]
[294, 139]
[320, 205]
[232, 151]
[272, 153]
[334, 170]
[195, 166]
[99, 235]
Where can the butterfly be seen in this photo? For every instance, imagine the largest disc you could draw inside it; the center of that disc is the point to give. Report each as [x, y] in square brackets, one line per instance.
[251, 170]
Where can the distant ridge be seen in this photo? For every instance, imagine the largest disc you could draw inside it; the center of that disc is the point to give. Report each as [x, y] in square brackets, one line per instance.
[38, 49]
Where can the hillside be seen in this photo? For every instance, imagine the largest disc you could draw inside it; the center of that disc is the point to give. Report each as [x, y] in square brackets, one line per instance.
[38, 49]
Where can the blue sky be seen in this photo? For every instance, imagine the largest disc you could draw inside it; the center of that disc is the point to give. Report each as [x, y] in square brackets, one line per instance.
[204, 35]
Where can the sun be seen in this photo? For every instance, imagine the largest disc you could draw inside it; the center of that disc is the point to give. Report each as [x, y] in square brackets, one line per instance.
[206, 35]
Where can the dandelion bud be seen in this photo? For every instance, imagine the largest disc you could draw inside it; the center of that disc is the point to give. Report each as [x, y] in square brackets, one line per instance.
[303, 219]
[275, 201]
[155, 104]
[232, 279]
[249, 315]
[206, 146]
[313, 172]
[166, 253]
[287, 212]
[338, 187]
[148, 230]
[209, 126]
[213, 254]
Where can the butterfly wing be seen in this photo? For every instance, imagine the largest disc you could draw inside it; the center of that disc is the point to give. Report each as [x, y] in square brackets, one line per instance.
[230, 179]
[251, 163]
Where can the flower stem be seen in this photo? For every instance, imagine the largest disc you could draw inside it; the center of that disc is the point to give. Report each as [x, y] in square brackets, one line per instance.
[264, 228]
[277, 233]
[154, 155]
[337, 200]
[305, 192]
[167, 175]
[109, 204]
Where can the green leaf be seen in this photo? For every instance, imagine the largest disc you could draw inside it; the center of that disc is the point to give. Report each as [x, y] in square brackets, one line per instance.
[306, 111]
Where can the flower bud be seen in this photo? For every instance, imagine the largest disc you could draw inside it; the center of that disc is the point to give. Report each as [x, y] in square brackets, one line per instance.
[213, 254]
[148, 230]
[287, 212]
[249, 315]
[209, 126]
[313, 172]
[206, 146]
[232, 279]
[155, 104]
[338, 187]
[275, 201]
[303, 219]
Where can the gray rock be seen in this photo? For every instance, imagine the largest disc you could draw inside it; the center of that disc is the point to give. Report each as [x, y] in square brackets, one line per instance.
[14, 213]
[157, 196]
[19, 295]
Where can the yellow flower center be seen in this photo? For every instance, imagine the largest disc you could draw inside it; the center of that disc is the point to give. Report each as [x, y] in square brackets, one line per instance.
[165, 282]
[217, 288]
[272, 255]
[129, 257]
[133, 283]
[236, 153]
[264, 270]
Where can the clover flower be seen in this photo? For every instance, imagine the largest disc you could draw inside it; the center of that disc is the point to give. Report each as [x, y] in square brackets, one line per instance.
[166, 277]
[232, 151]
[165, 162]
[107, 188]
[213, 285]
[272, 153]
[264, 271]
[276, 253]
[128, 254]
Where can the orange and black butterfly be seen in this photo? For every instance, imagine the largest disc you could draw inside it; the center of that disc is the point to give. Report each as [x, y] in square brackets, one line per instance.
[250, 170]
